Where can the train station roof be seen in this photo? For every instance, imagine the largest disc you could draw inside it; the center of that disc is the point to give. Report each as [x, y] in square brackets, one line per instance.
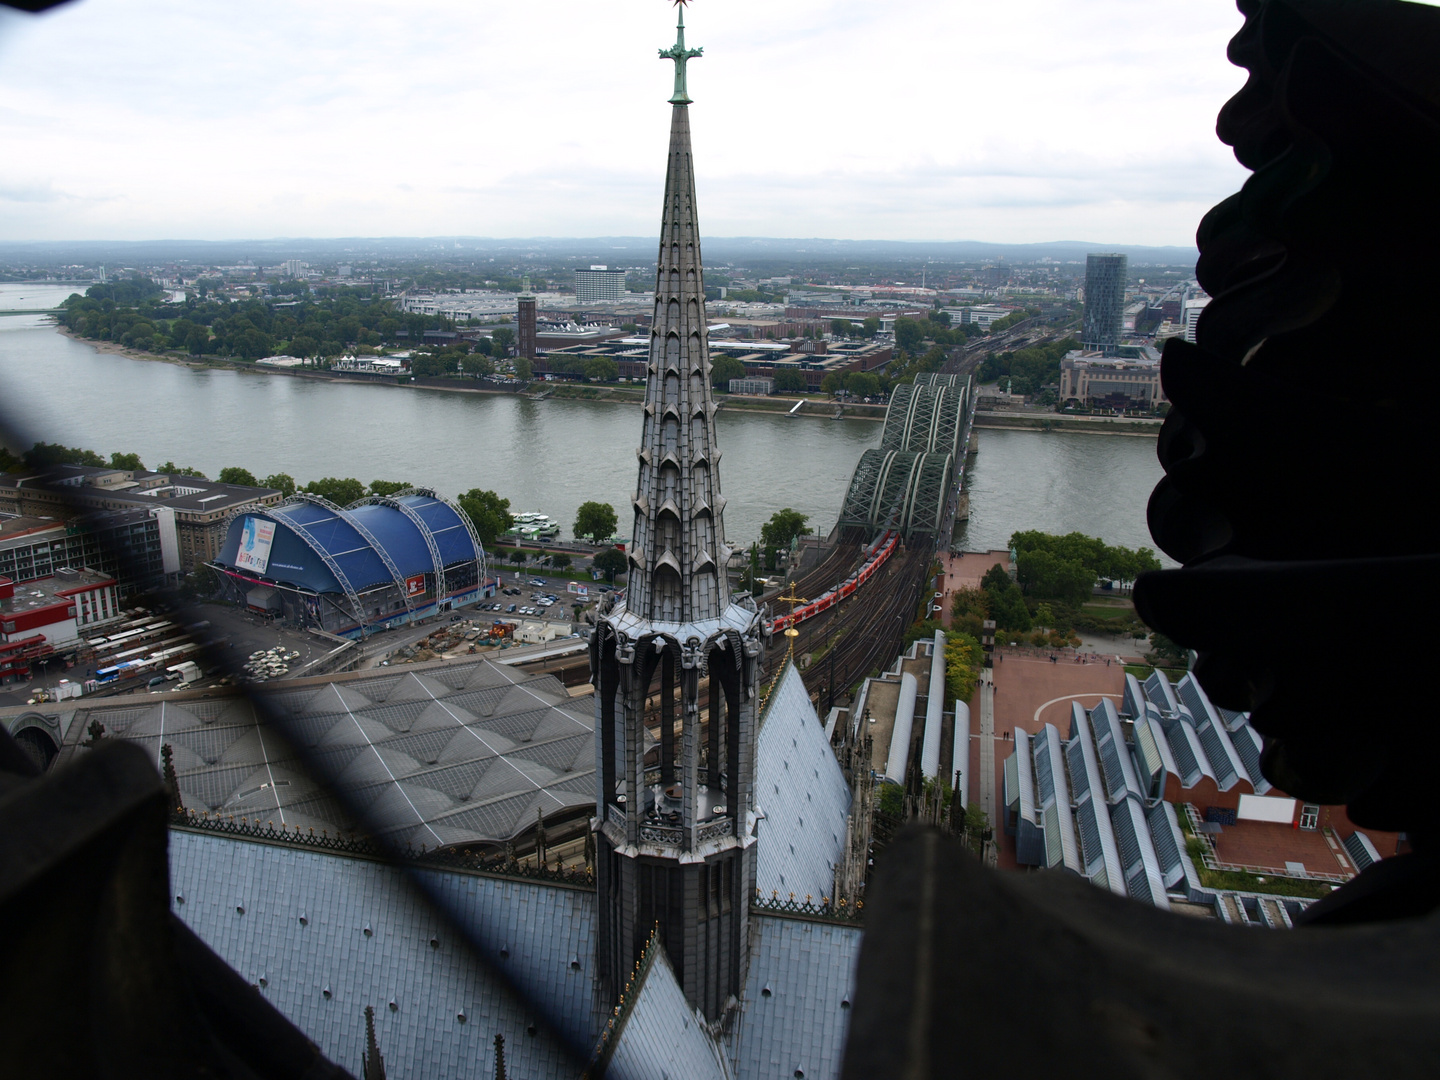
[452, 754]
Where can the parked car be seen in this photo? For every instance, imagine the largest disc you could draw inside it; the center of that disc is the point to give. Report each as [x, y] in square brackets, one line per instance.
[539, 583]
[510, 610]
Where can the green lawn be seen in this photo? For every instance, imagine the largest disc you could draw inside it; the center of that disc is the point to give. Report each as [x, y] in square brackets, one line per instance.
[1279, 886]
[1099, 610]
[1142, 672]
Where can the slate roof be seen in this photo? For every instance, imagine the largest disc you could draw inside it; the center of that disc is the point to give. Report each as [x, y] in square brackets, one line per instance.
[323, 971]
[802, 791]
[800, 1025]
[537, 936]
[460, 754]
[660, 1034]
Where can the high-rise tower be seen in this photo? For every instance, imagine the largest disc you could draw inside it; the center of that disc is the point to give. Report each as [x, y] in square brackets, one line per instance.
[674, 818]
[525, 322]
[1104, 302]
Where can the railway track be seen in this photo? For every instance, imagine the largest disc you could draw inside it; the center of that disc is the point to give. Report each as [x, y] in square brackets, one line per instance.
[851, 639]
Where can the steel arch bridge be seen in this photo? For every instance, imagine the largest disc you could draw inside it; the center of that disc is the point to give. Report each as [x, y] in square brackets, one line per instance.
[904, 484]
[927, 416]
[899, 489]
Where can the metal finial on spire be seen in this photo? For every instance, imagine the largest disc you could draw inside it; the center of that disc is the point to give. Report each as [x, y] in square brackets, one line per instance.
[680, 55]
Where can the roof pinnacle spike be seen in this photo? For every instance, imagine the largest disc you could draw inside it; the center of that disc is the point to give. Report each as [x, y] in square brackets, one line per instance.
[680, 55]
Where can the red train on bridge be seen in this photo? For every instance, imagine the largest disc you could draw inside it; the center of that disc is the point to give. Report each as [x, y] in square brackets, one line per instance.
[884, 548]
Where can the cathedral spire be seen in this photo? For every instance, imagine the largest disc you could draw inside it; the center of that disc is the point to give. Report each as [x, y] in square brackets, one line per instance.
[678, 553]
[674, 824]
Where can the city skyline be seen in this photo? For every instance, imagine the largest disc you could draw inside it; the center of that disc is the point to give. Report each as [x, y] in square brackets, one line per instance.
[1045, 121]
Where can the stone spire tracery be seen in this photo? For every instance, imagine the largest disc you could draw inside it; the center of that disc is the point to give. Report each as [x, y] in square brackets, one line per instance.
[676, 662]
[678, 553]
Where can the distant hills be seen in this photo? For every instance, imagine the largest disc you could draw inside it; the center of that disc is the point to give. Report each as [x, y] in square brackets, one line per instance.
[632, 250]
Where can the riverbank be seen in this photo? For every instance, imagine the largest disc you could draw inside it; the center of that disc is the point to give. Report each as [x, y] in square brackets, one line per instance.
[537, 391]
[1144, 428]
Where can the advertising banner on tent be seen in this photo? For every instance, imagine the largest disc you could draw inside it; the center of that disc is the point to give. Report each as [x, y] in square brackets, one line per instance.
[255, 540]
[415, 585]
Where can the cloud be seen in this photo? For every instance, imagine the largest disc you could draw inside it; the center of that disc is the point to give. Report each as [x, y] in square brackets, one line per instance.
[29, 191]
[1012, 122]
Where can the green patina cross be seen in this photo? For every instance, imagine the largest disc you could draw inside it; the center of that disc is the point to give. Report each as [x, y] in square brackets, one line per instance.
[680, 54]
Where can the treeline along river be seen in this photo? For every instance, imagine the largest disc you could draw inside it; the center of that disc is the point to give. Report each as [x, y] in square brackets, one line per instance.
[547, 456]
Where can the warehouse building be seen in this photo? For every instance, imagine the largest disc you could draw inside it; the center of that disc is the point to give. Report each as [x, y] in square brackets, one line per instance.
[378, 563]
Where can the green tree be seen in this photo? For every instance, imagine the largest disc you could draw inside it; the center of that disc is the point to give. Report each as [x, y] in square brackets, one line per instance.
[43, 455]
[519, 556]
[172, 469]
[236, 475]
[832, 384]
[871, 326]
[1045, 615]
[476, 365]
[909, 333]
[523, 368]
[969, 608]
[963, 661]
[977, 824]
[1045, 574]
[595, 520]
[560, 560]
[610, 562]
[723, 369]
[1168, 653]
[388, 487]
[430, 366]
[503, 337]
[863, 384]
[1007, 601]
[338, 491]
[783, 527]
[890, 800]
[281, 482]
[489, 513]
[790, 382]
[601, 369]
[130, 462]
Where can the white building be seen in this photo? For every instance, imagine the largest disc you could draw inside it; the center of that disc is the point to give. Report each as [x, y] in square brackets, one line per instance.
[599, 283]
[1192, 316]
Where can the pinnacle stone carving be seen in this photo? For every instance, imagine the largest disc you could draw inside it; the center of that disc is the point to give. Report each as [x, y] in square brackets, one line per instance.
[676, 663]
[678, 552]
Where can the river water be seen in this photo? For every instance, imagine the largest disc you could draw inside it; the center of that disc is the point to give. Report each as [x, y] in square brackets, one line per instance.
[547, 456]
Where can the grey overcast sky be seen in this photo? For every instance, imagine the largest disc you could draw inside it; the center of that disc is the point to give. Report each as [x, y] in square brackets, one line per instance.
[1022, 121]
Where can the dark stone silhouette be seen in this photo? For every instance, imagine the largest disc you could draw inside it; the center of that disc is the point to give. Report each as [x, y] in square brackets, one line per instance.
[1296, 490]
[99, 978]
[1297, 466]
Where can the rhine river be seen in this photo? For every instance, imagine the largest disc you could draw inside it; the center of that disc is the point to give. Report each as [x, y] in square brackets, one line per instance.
[547, 456]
